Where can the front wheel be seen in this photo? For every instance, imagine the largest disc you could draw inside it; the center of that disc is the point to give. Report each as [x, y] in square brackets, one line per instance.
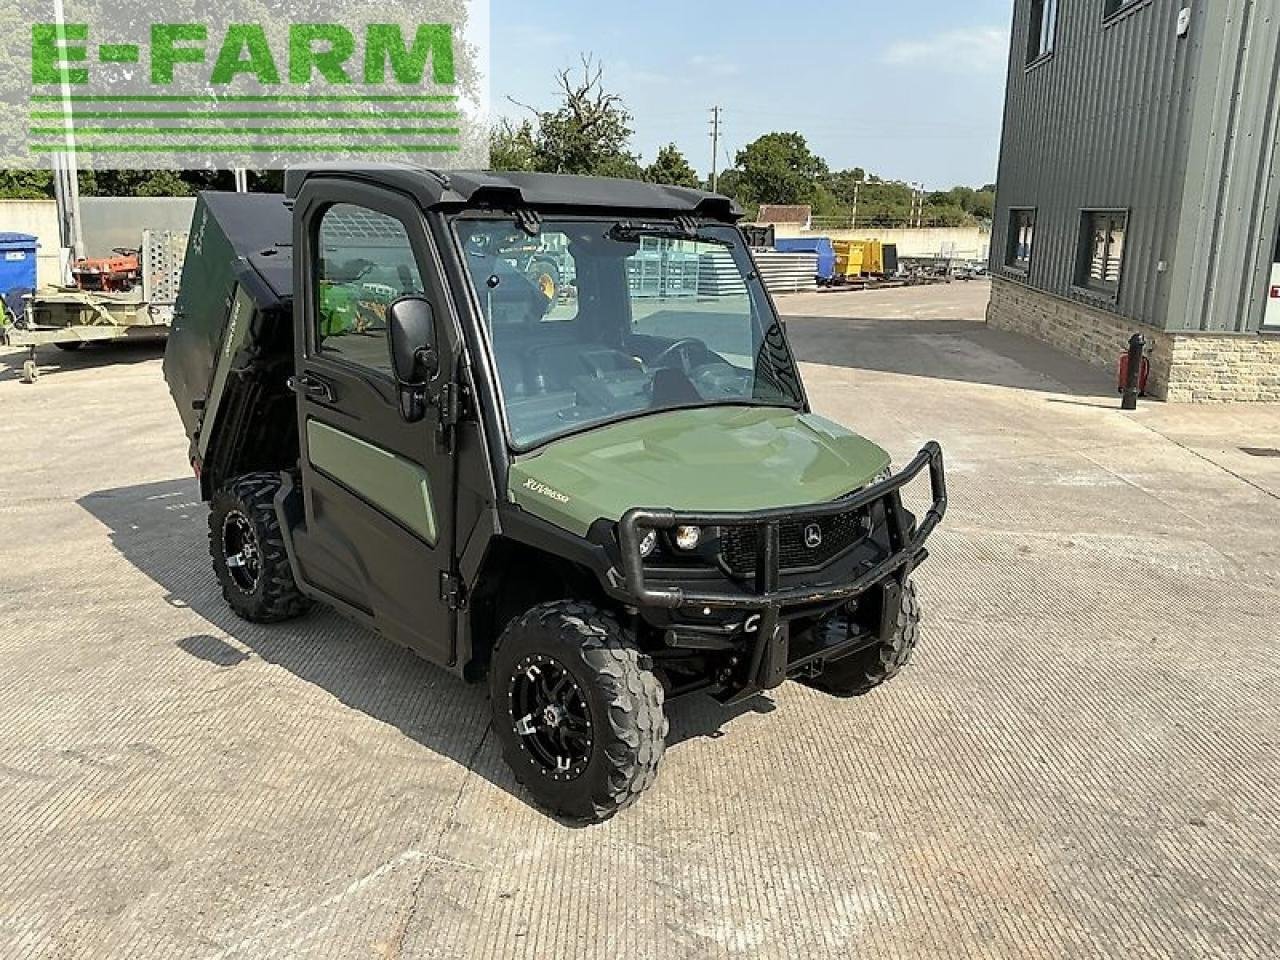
[863, 671]
[578, 710]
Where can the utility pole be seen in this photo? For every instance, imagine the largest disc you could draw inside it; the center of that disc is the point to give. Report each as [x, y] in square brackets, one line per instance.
[66, 179]
[853, 215]
[715, 144]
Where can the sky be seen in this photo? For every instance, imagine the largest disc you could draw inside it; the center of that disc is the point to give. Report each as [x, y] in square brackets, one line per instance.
[909, 89]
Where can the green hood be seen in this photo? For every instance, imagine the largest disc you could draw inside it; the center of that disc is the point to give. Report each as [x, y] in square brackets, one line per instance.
[714, 458]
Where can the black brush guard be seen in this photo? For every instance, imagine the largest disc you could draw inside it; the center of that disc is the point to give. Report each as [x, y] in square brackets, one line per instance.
[769, 655]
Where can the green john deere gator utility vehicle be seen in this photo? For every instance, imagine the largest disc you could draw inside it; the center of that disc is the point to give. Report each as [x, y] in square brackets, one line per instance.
[596, 492]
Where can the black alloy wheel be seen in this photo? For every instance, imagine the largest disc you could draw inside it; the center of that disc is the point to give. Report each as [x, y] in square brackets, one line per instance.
[241, 552]
[550, 715]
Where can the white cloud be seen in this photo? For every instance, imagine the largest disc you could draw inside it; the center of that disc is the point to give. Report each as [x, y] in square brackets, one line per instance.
[971, 49]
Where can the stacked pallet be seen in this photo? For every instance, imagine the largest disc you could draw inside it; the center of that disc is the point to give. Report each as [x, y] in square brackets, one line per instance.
[787, 272]
[718, 275]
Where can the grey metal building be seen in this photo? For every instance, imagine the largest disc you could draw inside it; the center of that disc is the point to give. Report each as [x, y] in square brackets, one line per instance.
[1139, 190]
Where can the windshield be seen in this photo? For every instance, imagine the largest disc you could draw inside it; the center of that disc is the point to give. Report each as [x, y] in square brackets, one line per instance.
[591, 321]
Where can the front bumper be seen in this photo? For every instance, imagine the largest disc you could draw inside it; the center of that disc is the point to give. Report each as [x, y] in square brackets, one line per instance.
[766, 598]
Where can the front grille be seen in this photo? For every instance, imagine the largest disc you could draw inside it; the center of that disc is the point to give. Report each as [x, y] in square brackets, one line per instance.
[839, 533]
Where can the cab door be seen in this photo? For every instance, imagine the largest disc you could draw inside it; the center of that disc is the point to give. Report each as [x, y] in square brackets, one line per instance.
[378, 491]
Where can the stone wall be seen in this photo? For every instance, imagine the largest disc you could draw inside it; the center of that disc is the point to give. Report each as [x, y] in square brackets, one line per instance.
[1184, 367]
[1225, 368]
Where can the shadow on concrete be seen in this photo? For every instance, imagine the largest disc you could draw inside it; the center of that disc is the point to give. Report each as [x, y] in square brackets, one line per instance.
[1096, 404]
[961, 350]
[54, 361]
[161, 529]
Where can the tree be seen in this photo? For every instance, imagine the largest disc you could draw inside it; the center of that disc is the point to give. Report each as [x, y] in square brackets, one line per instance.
[623, 166]
[143, 183]
[729, 183]
[984, 204]
[671, 167]
[587, 133]
[780, 168]
[26, 184]
[827, 204]
[845, 184]
[511, 146]
[961, 197]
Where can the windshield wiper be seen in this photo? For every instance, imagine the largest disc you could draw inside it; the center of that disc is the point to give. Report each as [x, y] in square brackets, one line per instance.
[628, 232]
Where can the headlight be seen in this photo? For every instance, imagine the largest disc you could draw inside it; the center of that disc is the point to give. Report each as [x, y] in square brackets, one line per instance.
[648, 542]
[687, 537]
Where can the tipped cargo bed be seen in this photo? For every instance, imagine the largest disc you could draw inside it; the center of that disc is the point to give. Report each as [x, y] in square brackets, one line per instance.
[236, 239]
[231, 345]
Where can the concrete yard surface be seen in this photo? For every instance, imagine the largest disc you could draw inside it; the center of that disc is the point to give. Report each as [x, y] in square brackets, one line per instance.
[1081, 760]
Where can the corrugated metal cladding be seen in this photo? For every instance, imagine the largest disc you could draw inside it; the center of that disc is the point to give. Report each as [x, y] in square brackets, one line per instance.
[1184, 133]
[1227, 241]
[1101, 123]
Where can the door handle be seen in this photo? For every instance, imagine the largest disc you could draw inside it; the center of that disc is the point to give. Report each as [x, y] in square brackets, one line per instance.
[312, 387]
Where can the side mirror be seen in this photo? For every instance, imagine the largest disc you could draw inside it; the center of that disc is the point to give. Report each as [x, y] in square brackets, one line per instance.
[414, 357]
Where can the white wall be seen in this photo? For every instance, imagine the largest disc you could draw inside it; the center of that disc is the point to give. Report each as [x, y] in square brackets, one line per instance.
[963, 243]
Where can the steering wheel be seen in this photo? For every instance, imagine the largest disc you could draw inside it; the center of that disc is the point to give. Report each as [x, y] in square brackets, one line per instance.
[679, 347]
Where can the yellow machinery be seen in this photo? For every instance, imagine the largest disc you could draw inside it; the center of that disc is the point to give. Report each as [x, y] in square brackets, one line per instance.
[858, 258]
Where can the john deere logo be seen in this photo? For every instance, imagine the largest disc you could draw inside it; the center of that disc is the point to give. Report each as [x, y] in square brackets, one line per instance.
[813, 536]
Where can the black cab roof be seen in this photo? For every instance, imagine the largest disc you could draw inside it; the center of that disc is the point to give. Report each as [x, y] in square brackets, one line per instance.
[550, 191]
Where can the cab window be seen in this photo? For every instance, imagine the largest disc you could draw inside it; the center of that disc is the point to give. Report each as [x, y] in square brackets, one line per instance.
[365, 261]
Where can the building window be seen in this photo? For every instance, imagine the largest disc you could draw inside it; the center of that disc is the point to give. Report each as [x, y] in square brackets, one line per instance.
[1044, 27]
[1112, 7]
[1102, 235]
[1022, 228]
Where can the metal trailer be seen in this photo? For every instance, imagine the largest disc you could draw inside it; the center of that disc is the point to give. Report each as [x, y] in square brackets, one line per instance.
[69, 318]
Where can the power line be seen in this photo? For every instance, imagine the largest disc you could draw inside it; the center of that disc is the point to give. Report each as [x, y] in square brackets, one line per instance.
[715, 144]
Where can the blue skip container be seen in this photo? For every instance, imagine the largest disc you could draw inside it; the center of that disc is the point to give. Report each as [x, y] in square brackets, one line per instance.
[17, 268]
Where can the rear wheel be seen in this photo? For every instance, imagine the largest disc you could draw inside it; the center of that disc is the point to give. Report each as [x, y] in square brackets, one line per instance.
[71, 346]
[862, 672]
[578, 710]
[248, 551]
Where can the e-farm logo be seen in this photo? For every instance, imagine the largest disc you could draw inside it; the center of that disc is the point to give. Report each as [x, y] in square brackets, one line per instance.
[324, 50]
[230, 90]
